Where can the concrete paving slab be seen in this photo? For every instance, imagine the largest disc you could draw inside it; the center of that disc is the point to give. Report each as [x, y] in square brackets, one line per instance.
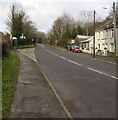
[33, 97]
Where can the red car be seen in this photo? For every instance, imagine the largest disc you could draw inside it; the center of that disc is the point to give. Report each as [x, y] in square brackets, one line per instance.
[76, 49]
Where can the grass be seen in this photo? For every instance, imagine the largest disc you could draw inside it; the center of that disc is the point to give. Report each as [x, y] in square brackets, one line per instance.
[25, 46]
[10, 73]
[60, 48]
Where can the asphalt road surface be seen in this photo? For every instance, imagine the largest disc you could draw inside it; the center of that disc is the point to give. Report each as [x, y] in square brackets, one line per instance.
[87, 87]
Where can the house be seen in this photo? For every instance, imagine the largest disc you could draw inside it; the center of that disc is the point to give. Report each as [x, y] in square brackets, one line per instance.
[87, 45]
[104, 40]
[71, 42]
[80, 38]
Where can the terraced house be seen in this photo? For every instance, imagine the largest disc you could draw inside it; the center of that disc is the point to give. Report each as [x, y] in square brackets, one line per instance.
[104, 40]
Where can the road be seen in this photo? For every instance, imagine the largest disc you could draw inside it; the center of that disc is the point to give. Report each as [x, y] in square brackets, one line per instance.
[86, 86]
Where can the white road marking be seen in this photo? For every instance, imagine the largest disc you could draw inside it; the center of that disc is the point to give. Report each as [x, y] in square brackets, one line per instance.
[102, 73]
[74, 62]
[81, 65]
[93, 58]
[114, 77]
[42, 46]
[33, 54]
[55, 54]
[98, 71]
[62, 57]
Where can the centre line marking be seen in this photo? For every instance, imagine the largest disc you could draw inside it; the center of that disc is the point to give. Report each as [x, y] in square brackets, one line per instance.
[74, 62]
[114, 77]
[102, 73]
[62, 57]
[81, 65]
[98, 71]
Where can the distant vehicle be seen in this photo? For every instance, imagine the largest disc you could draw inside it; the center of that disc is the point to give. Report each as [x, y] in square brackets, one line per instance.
[76, 49]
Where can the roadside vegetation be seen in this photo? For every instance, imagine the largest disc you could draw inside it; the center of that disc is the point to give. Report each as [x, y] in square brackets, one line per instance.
[21, 27]
[10, 71]
[60, 48]
[25, 46]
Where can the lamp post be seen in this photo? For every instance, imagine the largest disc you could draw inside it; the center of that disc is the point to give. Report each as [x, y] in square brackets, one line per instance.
[94, 36]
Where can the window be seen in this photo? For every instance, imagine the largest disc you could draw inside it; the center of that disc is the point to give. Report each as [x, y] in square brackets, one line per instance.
[106, 35]
[111, 47]
[98, 35]
[112, 33]
[102, 35]
[106, 45]
[98, 46]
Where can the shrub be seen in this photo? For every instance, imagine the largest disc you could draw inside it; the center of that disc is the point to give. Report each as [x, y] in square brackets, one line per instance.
[5, 49]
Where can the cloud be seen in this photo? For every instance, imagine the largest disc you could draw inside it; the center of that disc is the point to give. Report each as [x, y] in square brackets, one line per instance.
[44, 12]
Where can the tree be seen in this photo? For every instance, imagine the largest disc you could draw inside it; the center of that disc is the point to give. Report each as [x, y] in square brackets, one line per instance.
[62, 27]
[15, 21]
[79, 30]
[74, 32]
[87, 21]
[58, 27]
[21, 26]
[66, 31]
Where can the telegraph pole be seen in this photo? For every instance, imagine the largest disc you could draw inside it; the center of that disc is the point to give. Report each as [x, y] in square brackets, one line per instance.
[94, 36]
[114, 23]
[12, 29]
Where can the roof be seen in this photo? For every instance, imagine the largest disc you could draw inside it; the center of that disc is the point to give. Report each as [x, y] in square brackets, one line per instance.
[107, 25]
[14, 38]
[89, 39]
[82, 37]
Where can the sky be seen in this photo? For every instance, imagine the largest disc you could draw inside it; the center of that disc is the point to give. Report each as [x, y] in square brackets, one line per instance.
[44, 12]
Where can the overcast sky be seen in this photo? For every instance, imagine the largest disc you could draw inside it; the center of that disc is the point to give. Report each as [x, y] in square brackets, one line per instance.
[44, 12]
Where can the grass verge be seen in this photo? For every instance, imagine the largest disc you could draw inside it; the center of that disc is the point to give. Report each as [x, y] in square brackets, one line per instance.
[10, 71]
[60, 48]
[25, 46]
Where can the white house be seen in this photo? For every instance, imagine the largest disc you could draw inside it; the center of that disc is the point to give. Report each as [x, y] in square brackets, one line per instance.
[87, 45]
[80, 38]
[104, 41]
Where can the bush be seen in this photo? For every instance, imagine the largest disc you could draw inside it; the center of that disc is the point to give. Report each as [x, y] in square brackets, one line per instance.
[5, 49]
[66, 47]
[62, 42]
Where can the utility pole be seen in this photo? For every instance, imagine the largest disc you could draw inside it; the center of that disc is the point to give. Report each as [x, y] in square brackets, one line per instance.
[94, 36]
[12, 29]
[114, 23]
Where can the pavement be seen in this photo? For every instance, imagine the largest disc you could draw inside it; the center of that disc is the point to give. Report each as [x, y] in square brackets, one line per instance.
[33, 96]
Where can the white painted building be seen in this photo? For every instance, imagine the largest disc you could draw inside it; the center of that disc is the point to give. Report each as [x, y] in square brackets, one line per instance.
[104, 41]
[87, 45]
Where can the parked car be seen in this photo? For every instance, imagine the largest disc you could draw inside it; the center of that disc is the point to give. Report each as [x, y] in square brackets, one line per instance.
[76, 49]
